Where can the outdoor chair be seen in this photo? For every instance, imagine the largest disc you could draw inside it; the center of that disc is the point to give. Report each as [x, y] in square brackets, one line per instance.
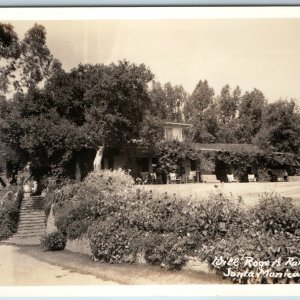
[192, 177]
[231, 178]
[251, 178]
[173, 178]
[155, 178]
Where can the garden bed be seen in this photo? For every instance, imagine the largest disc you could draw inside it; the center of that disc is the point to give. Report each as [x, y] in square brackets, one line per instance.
[124, 225]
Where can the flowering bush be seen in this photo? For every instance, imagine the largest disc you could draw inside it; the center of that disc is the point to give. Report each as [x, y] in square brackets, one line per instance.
[111, 242]
[277, 213]
[268, 232]
[167, 250]
[99, 195]
[123, 222]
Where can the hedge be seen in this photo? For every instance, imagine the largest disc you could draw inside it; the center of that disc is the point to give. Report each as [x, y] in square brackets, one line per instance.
[123, 222]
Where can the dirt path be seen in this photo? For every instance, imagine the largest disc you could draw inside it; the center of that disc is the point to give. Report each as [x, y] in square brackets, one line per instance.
[29, 265]
[17, 268]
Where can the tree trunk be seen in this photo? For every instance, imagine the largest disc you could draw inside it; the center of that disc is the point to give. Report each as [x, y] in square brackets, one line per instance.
[78, 176]
[2, 182]
[98, 159]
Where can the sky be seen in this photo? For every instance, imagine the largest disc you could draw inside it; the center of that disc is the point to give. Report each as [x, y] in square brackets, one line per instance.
[251, 53]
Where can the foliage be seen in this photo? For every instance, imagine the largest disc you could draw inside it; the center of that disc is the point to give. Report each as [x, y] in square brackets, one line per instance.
[207, 163]
[238, 163]
[171, 154]
[263, 175]
[54, 241]
[280, 127]
[77, 205]
[126, 222]
[112, 242]
[166, 250]
[151, 131]
[205, 125]
[167, 101]
[229, 103]
[276, 213]
[27, 62]
[88, 107]
[201, 99]
[268, 231]
[10, 201]
[250, 115]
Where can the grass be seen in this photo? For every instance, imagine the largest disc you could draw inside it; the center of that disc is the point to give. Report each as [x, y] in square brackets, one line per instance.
[122, 273]
[248, 191]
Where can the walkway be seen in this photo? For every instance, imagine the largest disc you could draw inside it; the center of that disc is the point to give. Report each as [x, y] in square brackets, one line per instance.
[29, 265]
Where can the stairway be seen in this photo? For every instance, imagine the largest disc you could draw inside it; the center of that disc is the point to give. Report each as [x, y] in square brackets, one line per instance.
[32, 222]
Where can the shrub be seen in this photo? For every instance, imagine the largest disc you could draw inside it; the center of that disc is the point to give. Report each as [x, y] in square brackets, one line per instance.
[54, 241]
[111, 242]
[99, 195]
[10, 201]
[167, 250]
[122, 222]
[263, 175]
[277, 213]
[268, 232]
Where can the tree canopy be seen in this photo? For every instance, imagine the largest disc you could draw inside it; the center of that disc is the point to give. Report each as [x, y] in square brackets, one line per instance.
[24, 63]
[49, 116]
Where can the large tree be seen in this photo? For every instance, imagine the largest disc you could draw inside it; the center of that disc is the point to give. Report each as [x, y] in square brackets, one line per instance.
[229, 102]
[167, 101]
[280, 130]
[91, 107]
[201, 98]
[250, 116]
[24, 63]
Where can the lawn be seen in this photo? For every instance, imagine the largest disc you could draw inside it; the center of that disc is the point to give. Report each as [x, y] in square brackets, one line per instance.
[248, 191]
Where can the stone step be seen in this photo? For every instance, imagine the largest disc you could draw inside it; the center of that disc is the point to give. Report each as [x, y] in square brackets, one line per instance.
[31, 217]
[32, 226]
[32, 212]
[38, 199]
[33, 200]
[27, 236]
[30, 233]
[32, 221]
[24, 234]
[30, 208]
